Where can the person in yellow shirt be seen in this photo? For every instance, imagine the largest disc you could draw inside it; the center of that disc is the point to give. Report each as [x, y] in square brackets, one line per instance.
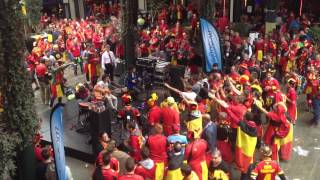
[187, 173]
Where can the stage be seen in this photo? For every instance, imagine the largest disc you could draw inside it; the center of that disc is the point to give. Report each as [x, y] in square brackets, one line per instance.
[76, 144]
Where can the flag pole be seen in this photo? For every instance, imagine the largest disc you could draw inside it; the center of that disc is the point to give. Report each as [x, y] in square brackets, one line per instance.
[301, 4]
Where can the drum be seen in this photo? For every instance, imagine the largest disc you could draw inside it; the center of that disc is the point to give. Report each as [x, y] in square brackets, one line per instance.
[84, 105]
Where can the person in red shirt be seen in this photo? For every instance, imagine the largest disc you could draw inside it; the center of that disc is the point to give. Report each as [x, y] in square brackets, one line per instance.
[128, 113]
[195, 154]
[76, 53]
[154, 114]
[97, 40]
[105, 170]
[42, 75]
[291, 100]
[130, 175]
[267, 168]
[135, 141]
[163, 25]
[69, 42]
[270, 86]
[120, 50]
[235, 110]
[236, 40]
[259, 44]
[157, 144]
[146, 167]
[91, 66]
[278, 126]
[170, 117]
[114, 163]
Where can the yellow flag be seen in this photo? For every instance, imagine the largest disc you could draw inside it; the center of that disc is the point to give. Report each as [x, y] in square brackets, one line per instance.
[50, 38]
[23, 7]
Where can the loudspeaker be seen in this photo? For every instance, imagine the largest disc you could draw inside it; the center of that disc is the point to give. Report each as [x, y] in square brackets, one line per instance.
[120, 69]
[176, 73]
[99, 122]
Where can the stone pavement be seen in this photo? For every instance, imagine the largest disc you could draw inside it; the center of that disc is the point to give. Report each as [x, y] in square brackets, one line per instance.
[300, 167]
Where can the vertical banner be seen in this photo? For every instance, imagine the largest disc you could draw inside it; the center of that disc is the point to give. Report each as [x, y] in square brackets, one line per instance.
[211, 45]
[56, 129]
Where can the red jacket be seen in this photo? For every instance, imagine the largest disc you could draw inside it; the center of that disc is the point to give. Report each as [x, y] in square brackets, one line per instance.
[135, 142]
[41, 70]
[195, 154]
[170, 117]
[272, 84]
[292, 106]
[75, 50]
[97, 41]
[146, 172]
[120, 51]
[154, 115]
[236, 113]
[109, 174]
[158, 147]
[114, 163]
[130, 177]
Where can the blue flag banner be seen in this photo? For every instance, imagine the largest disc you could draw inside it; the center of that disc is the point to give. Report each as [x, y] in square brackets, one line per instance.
[211, 45]
[56, 129]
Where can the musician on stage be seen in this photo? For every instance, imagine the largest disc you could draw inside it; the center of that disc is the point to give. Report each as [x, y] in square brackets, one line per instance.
[133, 80]
[102, 91]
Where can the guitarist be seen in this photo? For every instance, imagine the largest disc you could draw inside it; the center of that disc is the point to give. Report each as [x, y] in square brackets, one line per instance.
[102, 92]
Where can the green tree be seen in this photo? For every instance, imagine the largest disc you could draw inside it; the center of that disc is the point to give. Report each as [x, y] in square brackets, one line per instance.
[34, 8]
[18, 122]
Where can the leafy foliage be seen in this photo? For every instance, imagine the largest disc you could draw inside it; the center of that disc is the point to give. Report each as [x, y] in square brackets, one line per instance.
[18, 122]
[315, 32]
[34, 8]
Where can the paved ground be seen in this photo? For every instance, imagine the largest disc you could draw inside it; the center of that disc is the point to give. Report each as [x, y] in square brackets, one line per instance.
[299, 167]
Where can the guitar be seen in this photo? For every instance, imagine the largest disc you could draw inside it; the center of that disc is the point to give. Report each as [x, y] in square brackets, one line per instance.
[100, 93]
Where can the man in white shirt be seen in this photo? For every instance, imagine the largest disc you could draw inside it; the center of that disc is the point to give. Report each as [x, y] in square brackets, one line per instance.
[188, 94]
[108, 62]
[102, 89]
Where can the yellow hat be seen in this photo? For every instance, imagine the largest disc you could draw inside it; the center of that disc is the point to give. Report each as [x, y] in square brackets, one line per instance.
[170, 100]
[154, 96]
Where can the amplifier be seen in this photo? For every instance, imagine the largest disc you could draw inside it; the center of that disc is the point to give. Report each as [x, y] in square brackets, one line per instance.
[120, 69]
[145, 62]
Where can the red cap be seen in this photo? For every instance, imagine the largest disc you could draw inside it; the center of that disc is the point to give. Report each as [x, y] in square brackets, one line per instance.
[126, 98]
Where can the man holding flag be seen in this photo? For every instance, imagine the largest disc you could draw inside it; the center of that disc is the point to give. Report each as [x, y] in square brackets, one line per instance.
[245, 143]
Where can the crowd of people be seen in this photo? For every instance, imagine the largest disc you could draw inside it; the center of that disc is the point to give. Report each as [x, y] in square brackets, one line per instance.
[219, 119]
